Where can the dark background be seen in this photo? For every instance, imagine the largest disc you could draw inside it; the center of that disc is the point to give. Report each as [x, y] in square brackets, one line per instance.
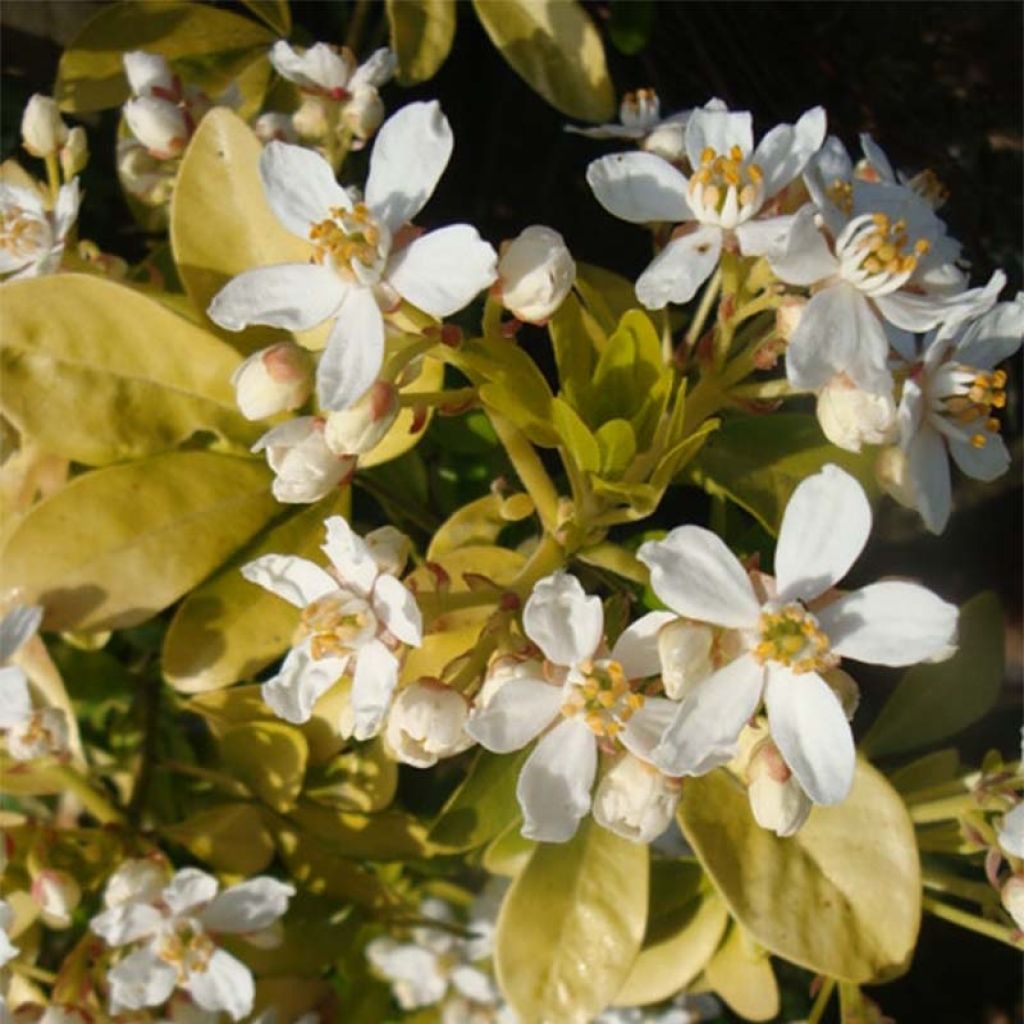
[939, 85]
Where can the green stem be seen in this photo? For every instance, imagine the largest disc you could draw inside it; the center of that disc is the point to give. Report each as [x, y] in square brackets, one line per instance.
[963, 888]
[33, 973]
[973, 923]
[547, 556]
[53, 176]
[950, 807]
[706, 302]
[529, 469]
[92, 800]
[822, 1001]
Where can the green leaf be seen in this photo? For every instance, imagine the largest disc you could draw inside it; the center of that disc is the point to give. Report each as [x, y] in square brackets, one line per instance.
[97, 372]
[924, 772]
[230, 837]
[741, 973]
[617, 445]
[228, 628]
[815, 898]
[388, 835]
[630, 25]
[758, 461]
[119, 544]
[685, 923]
[555, 48]
[575, 338]
[269, 758]
[508, 853]
[571, 926]
[276, 14]
[936, 701]
[606, 295]
[422, 33]
[217, 43]
[577, 439]
[483, 806]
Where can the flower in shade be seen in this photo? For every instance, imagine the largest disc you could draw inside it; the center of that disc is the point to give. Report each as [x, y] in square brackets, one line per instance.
[640, 120]
[362, 261]
[32, 237]
[792, 639]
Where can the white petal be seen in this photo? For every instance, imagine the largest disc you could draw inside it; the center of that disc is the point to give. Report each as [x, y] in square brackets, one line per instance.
[376, 70]
[809, 727]
[372, 687]
[147, 71]
[824, 529]
[320, 66]
[915, 312]
[838, 333]
[645, 729]
[189, 889]
[395, 606]
[15, 699]
[640, 187]
[890, 623]
[301, 682]
[764, 236]
[474, 984]
[300, 186]
[783, 153]
[354, 353]
[65, 210]
[225, 985]
[17, 626]
[1011, 834]
[986, 463]
[676, 273]
[126, 923]
[993, 337]
[297, 580]
[350, 556]
[443, 271]
[408, 158]
[718, 128]
[928, 471]
[562, 620]
[515, 714]
[249, 906]
[696, 575]
[875, 155]
[911, 412]
[707, 725]
[141, 979]
[295, 296]
[636, 650]
[554, 784]
[417, 972]
[803, 256]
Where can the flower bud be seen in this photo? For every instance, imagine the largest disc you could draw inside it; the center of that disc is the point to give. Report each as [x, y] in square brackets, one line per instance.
[787, 316]
[851, 417]
[634, 800]
[685, 651]
[893, 476]
[390, 549]
[139, 880]
[43, 734]
[504, 669]
[360, 427]
[275, 379]
[159, 125]
[535, 273]
[363, 113]
[272, 126]
[776, 798]
[1012, 896]
[312, 119]
[667, 141]
[427, 723]
[43, 131]
[74, 154]
[149, 74]
[57, 895]
[143, 176]
[306, 469]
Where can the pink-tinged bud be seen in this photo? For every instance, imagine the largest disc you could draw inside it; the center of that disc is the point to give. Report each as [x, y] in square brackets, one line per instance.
[427, 722]
[306, 469]
[892, 472]
[161, 126]
[43, 131]
[360, 428]
[776, 798]
[851, 417]
[634, 800]
[149, 74]
[74, 154]
[535, 273]
[43, 734]
[363, 114]
[57, 895]
[275, 379]
[1012, 896]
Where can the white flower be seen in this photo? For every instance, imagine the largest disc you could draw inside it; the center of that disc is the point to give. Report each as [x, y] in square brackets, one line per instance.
[43, 131]
[634, 800]
[876, 167]
[274, 126]
[1012, 896]
[176, 946]
[361, 427]
[535, 273]
[31, 236]
[594, 702]
[730, 186]
[427, 722]
[788, 646]
[640, 119]
[305, 468]
[138, 880]
[356, 616]
[161, 113]
[949, 404]
[142, 175]
[57, 895]
[851, 417]
[8, 951]
[1011, 832]
[356, 268]
[776, 797]
[275, 379]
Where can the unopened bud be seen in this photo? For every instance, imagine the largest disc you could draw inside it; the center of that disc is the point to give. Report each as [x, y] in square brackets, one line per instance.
[390, 549]
[634, 800]
[535, 273]
[892, 471]
[685, 651]
[276, 379]
[667, 141]
[363, 113]
[74, 154]
[312, 119]
[43, 734]
[427, 722]
[787, 316]
[159, 125]
[776, 798]
[360, 427]
[43, 131]
[851, 417]
[1012, 896]
[149, 74]
[306, 469]
[143, 176]
[57, 895]
[275, 127]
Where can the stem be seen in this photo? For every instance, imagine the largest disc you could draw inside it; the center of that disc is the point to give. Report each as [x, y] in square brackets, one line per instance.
[34, 973]
[963, 888]
[53, 176]
[820, 1004]
[529, 469]
[151, 726]
[706, 302]
[548, 556]
[92, 800]
[355, 25]
[400, 360]
[990, 929]
[950, 807]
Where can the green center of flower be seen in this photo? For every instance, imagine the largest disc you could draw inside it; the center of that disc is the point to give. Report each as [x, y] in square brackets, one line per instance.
[603, 698]
[792, 637]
